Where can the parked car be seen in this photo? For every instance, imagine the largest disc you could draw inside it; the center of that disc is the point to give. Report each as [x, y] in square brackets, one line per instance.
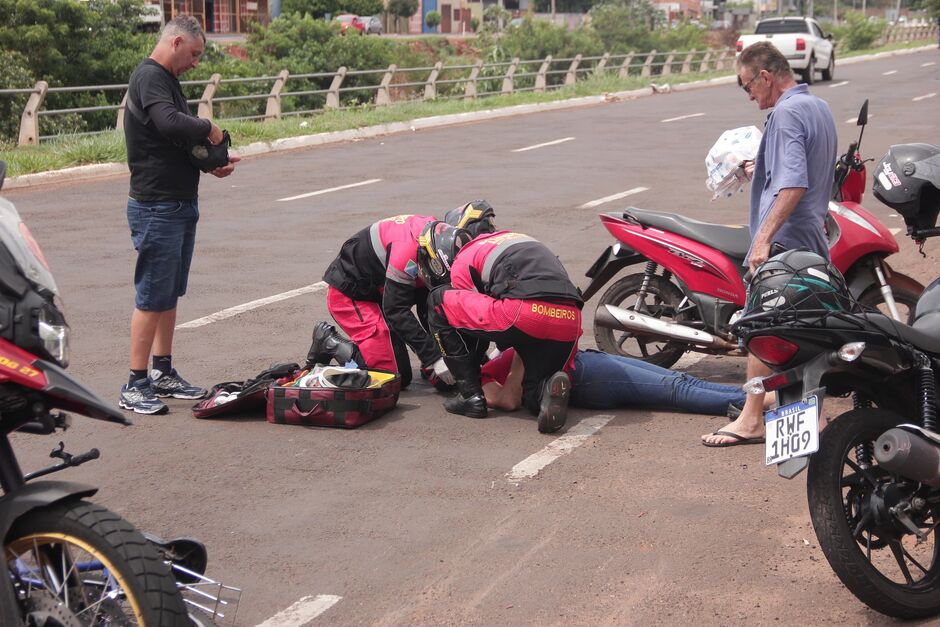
[373, 25]
[348, 20]
[802, 42]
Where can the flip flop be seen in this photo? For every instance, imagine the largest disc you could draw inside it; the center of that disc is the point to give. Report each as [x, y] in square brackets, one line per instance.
[737, 441]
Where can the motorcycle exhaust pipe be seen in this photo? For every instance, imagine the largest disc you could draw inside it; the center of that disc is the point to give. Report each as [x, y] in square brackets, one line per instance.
[612, 317]
[911, 455]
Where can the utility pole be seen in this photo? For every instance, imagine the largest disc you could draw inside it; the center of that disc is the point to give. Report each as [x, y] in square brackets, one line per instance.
[553, 12]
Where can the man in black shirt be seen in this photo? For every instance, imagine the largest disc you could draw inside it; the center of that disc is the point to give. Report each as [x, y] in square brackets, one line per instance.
[162, 208]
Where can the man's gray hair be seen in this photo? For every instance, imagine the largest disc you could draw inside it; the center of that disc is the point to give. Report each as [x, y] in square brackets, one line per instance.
[764, 56]
[185, 25]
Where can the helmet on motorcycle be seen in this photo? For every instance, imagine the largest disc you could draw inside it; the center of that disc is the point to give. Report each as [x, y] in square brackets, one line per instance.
[907, 179]
[438, 246]
[798, 280]
[476, 217]
[927, 313]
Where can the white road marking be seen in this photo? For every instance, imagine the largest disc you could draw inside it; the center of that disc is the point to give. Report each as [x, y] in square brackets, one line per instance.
[576, 436]
[855, 120]
[551, 143]
[328, 190]
[924, 97]
[683, 117]
[612, 197]
[895, 231]
[303, 611]
[839, 84]
[261, 302]
[928, 64]
[889, 72]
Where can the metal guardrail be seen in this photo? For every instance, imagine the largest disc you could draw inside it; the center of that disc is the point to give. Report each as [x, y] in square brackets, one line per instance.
[468, 82]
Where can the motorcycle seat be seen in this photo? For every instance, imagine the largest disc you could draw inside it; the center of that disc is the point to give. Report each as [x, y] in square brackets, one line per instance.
[733, 241]
[924, 339]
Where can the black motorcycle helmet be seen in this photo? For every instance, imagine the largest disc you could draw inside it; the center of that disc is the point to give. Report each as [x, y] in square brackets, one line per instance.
[798, 281]
[438, 246]
[477, 217]
[907, 179]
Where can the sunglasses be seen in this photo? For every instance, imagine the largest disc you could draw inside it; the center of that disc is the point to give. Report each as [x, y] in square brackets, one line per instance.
[747, 86]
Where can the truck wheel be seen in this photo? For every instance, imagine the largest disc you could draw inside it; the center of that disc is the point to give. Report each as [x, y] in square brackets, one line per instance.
[809, 74]
[830, 70]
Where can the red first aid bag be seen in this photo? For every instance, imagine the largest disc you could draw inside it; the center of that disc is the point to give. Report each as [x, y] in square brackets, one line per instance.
[343, 407]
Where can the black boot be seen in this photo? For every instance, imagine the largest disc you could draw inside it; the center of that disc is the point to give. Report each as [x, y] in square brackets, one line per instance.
[553, 408]
[327, 344]
[469, 400]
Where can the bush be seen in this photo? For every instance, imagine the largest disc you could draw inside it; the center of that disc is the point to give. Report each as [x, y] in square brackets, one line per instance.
[432, 19]
[474, 24]
[856, 32]
[14, 74]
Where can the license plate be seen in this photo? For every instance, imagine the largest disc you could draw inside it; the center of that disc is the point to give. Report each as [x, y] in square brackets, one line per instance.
[792, 430]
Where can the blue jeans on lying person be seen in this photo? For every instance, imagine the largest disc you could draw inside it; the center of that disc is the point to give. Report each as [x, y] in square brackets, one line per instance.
[605, 381]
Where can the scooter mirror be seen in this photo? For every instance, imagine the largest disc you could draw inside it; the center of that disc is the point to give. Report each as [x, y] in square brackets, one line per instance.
[3, 172]
[863, 114]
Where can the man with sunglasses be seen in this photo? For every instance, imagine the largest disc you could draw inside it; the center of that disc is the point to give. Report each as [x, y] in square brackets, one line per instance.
[791, 184]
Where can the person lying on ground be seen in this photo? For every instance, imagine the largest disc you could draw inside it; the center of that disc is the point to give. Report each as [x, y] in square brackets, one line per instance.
[603, 381]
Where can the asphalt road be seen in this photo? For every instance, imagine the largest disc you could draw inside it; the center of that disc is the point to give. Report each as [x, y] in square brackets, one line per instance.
[412, 519]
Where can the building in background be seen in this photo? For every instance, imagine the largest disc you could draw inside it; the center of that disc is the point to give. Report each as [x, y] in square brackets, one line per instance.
[220, 16]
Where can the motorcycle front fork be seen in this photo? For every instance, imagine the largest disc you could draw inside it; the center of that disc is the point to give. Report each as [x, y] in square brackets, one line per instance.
[886, 292]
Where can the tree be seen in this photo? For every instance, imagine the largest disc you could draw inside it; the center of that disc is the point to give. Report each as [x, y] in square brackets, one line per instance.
[403, 8]
[432, 19]
[362, 7]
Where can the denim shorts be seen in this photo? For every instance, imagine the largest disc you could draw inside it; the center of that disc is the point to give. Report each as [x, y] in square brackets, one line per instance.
[164, 234]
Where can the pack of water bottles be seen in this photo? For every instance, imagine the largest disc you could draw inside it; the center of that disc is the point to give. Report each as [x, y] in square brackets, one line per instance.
[724, 162]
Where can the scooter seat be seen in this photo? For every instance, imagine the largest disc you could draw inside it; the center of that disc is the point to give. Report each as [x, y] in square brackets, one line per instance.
[734, 241]
[915, 335]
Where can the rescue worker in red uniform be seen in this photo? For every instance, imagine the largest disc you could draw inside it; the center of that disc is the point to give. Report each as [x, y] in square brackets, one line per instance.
[508, 288]
[373, 286]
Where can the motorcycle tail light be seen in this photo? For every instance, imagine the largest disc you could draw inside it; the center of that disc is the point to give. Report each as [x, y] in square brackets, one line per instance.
[772, 350]
[800, 44]
[739, 46]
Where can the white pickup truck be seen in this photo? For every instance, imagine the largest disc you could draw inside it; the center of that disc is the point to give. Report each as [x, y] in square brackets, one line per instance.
[802, 42]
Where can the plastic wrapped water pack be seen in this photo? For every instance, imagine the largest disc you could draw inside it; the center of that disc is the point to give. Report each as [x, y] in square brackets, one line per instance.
[723, 162]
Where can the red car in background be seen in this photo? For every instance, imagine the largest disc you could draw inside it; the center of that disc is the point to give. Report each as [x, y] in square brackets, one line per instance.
[348, 19]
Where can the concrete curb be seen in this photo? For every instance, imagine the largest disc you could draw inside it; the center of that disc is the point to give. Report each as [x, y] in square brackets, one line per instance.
[85, 172]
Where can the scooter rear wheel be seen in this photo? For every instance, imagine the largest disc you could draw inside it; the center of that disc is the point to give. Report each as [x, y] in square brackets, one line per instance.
[661, 301]
[850, 498]
[90, 567]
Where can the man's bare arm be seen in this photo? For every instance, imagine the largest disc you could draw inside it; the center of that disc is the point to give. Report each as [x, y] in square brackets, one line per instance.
[787, 200]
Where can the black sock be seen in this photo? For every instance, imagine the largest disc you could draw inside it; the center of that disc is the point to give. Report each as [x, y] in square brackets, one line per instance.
[163, 363]
[136, 375]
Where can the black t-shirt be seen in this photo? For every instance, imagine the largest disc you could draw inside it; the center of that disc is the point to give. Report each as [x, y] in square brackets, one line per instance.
[156, 149]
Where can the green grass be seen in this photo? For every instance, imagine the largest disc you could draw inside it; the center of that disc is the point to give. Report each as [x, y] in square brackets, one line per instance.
[109, 147]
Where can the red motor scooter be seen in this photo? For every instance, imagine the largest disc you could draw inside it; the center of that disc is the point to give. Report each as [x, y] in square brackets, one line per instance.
[692, 282]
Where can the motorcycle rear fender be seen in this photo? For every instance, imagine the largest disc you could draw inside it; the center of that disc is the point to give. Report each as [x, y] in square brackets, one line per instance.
[36, 495]
[697, 266]
[614, 259]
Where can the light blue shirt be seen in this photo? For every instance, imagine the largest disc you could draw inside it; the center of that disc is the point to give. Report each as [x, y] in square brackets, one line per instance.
[798, 149]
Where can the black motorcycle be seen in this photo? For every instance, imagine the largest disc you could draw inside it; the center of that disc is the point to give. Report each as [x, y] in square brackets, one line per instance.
[873, 481]
[66, 560]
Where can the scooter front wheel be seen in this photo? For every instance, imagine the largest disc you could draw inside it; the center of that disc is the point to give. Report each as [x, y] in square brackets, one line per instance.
[661, 300]
[88, 566]
[858, 510]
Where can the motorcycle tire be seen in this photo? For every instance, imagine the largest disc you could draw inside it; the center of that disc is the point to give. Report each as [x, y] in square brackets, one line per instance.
[838, 502]
[904, 298]
[662, 301]
[124, 581]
